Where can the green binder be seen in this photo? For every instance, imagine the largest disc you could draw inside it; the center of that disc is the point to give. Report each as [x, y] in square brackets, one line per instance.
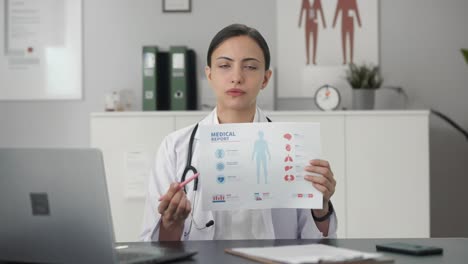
[179, 79]
[150, 78]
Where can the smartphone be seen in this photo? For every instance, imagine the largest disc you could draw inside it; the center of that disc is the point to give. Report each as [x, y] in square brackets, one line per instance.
[409, 249]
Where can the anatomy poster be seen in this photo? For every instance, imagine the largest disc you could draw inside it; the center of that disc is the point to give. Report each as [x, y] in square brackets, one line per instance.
[317, 39]
[40, 49]
[258, 165]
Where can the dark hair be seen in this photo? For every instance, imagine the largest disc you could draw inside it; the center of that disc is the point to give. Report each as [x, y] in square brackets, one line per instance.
[236, 30]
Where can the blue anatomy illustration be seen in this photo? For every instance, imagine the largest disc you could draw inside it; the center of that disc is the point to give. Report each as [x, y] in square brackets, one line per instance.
[260, 152]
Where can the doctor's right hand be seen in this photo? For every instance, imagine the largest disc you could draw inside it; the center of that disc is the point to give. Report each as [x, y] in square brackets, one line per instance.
[174, 208]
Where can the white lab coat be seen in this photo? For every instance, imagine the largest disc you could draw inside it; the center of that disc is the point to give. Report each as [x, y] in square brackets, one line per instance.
[169, 165]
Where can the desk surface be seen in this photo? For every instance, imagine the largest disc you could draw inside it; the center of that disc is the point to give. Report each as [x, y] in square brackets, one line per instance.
[455, 249]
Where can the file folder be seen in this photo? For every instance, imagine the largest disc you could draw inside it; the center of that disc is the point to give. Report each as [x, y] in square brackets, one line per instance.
[183, 91]
[155, 79]
[149, 77]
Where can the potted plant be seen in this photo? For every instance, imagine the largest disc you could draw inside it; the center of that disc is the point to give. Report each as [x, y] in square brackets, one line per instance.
[465, 53]
[364, 79]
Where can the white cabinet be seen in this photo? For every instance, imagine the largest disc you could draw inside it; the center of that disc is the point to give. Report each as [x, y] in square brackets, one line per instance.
[387, 175]
[380, 160]
[122, 136]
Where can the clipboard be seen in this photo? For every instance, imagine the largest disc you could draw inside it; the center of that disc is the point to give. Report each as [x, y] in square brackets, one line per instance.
[260, 258]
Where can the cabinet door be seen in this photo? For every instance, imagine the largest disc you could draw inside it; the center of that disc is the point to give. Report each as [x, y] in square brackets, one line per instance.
[332, 136]
[387, 164]
[129, 145]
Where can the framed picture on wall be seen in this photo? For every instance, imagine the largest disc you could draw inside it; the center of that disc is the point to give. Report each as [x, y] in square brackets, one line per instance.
[318, 39]
[177, 6]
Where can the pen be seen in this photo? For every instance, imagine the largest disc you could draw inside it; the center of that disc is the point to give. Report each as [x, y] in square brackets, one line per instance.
[182, 184]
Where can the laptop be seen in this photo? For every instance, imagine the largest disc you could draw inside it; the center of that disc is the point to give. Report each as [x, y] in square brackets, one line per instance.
[54, 208]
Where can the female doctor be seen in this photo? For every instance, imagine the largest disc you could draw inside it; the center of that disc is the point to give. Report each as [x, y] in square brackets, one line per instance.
[237, 69]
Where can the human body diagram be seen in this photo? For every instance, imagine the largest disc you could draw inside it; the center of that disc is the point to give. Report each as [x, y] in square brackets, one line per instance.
[347, 8]
[349, 11]
[259, 154]
[311, 26]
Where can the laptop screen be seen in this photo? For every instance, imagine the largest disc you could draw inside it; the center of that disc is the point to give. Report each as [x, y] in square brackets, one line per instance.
[55, 209]
[54, 206]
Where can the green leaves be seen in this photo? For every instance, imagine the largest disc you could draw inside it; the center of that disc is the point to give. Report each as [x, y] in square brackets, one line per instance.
[465, 53]
[364, 76]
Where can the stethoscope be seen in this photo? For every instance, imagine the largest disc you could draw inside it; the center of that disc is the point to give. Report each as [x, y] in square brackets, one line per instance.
[188, 165]
[190, 168]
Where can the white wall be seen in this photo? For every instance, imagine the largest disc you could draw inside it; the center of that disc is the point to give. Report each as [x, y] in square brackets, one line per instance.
[420, 43]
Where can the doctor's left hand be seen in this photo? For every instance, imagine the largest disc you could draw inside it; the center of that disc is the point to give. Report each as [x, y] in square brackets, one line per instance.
[174, 208]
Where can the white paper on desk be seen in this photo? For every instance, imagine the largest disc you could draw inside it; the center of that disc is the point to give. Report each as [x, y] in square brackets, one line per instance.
[313, 253]
[232, 170]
